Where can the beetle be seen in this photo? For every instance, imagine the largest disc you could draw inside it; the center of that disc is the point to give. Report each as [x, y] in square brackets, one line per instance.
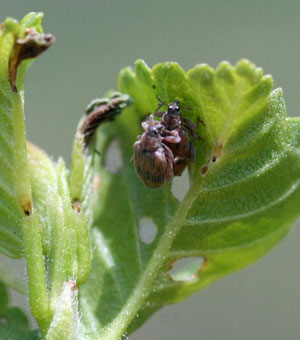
[152, 158]
[174, 124]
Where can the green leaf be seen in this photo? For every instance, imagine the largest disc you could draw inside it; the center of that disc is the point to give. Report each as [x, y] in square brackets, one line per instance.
[243, 197]
[64, 239]
[19, 43]
[14, 324]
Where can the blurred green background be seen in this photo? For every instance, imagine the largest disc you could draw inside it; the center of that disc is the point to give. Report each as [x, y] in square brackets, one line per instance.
[95, 39]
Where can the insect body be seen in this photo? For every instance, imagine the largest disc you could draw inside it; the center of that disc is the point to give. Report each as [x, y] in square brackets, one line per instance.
[175, 125]
[152, 158]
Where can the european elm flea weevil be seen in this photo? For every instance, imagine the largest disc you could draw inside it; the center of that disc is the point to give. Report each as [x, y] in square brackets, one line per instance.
[152, 158]
[174, 124]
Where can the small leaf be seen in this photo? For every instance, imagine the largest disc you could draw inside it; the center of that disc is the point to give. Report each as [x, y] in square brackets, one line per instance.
[65, 322]
[14, 324]
[243, 197]
[57, 246]
[18, 41]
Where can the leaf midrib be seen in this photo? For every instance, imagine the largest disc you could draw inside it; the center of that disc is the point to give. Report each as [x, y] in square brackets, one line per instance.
[143, 288]
[120, 323]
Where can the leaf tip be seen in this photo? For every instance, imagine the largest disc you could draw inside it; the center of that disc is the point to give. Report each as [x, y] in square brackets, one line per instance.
[202, 73]
[10, 25]
[143, 72]
[33, 20]
[126, 79]
[225, 71]
[249, 70]
[169, 69]
[266, 84]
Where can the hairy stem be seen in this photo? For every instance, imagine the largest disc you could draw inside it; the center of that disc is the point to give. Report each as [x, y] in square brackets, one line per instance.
[38, 295]
[119, 325]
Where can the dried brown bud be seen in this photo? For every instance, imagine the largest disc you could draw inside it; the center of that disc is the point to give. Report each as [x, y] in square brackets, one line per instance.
[31, 46]
[106, 111]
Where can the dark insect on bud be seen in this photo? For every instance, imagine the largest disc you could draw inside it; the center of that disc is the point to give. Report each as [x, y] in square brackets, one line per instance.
[102, 110]
[152, 158]
[31, 46]
[174, 124]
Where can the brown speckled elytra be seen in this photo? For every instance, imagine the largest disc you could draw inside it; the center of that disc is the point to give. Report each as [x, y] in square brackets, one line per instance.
[152, 158]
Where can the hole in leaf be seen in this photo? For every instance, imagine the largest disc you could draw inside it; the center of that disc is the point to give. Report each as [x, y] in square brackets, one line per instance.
[113, 157]
[180, 185]
[187, 269]
[147, 230]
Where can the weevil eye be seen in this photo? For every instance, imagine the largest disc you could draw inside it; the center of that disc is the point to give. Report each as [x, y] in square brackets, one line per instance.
[153, 131]
[174, 109]
[176, 105]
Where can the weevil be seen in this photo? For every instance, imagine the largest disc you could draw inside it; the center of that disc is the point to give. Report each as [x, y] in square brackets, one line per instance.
[175, 125]
[152, 158]
[100, 110]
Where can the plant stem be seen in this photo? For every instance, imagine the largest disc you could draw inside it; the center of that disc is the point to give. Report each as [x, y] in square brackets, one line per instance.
[38, 295]
[20, 154]
[117, 328]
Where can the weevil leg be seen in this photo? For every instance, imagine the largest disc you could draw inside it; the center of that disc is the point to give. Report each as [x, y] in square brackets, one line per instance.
[158, 113]
[200, 121]
[191, 152]
[160, 102]
[172, 139]
[151, 121]
[191, 127]
[171, 136]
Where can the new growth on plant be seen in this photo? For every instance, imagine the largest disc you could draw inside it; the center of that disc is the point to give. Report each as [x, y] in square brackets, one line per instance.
[92, 274]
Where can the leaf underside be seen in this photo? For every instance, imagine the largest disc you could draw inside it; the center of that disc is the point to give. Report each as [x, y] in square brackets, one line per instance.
[236, 209]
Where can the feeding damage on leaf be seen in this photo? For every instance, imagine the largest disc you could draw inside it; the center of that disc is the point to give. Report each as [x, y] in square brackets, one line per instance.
[243, 196]
[27, 208]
